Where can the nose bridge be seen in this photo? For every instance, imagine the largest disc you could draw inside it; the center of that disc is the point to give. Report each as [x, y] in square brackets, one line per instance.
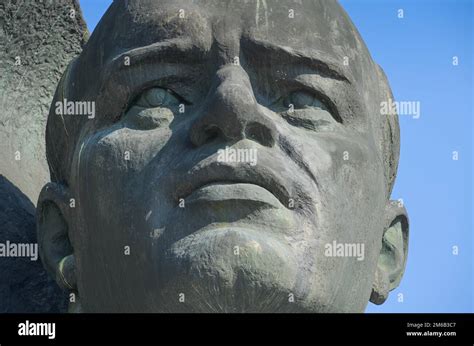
[231, 110]
[230, 75]
[233, 97]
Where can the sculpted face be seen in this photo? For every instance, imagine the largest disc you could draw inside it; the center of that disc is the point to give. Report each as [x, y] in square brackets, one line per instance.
[164, 221]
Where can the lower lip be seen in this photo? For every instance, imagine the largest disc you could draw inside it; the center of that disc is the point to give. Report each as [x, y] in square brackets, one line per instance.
[235, 192]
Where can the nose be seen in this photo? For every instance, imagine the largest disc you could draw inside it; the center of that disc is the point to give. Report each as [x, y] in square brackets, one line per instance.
[231, 112]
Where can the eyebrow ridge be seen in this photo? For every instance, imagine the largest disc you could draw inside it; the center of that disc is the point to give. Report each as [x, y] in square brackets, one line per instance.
[326, 68]
[182, 48]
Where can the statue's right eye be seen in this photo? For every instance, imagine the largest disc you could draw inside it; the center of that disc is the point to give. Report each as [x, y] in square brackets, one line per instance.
[158, 97]
[154, 108]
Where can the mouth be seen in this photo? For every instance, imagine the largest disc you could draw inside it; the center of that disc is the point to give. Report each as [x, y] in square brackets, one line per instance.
[234, 192]
[218, 182]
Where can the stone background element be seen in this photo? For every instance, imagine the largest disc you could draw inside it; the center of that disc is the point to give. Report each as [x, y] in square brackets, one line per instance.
[38, 38]
[37, 41]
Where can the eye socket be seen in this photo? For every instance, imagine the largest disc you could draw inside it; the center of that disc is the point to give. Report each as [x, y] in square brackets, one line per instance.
[158, 97]
[302, 99]
[153, 108]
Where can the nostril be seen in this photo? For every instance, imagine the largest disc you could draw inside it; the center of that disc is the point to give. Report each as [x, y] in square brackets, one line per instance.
[200, 136]
[260, 133]
[211, 133]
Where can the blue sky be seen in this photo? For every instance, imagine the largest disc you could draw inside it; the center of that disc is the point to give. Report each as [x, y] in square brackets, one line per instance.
[416, 52]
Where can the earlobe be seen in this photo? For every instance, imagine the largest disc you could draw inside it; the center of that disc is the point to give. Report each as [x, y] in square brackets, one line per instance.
[66, 272]
[52, 225]
[393, 255]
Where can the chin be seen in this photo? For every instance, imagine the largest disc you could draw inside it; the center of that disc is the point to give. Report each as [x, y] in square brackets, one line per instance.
[229, 269]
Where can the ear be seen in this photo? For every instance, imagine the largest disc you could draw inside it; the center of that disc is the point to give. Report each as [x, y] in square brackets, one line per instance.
[393, 255]
[53, 215]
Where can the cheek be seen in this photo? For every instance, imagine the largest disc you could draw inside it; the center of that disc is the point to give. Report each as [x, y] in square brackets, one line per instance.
[105, 171]
[350, 210]
[346, 165]
[110, 159]
[108, 166]
[352, 187]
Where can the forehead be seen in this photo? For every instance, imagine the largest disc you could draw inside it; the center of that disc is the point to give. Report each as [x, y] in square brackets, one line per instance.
[319, 28]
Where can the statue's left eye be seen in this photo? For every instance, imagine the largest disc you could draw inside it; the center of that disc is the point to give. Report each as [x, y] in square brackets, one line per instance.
[302, 99]
[158, 97]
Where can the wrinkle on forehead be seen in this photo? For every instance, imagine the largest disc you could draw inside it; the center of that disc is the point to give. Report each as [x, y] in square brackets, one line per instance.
[142, 23]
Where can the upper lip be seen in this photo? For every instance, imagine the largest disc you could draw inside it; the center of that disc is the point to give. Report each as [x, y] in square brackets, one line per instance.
[218, 172]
